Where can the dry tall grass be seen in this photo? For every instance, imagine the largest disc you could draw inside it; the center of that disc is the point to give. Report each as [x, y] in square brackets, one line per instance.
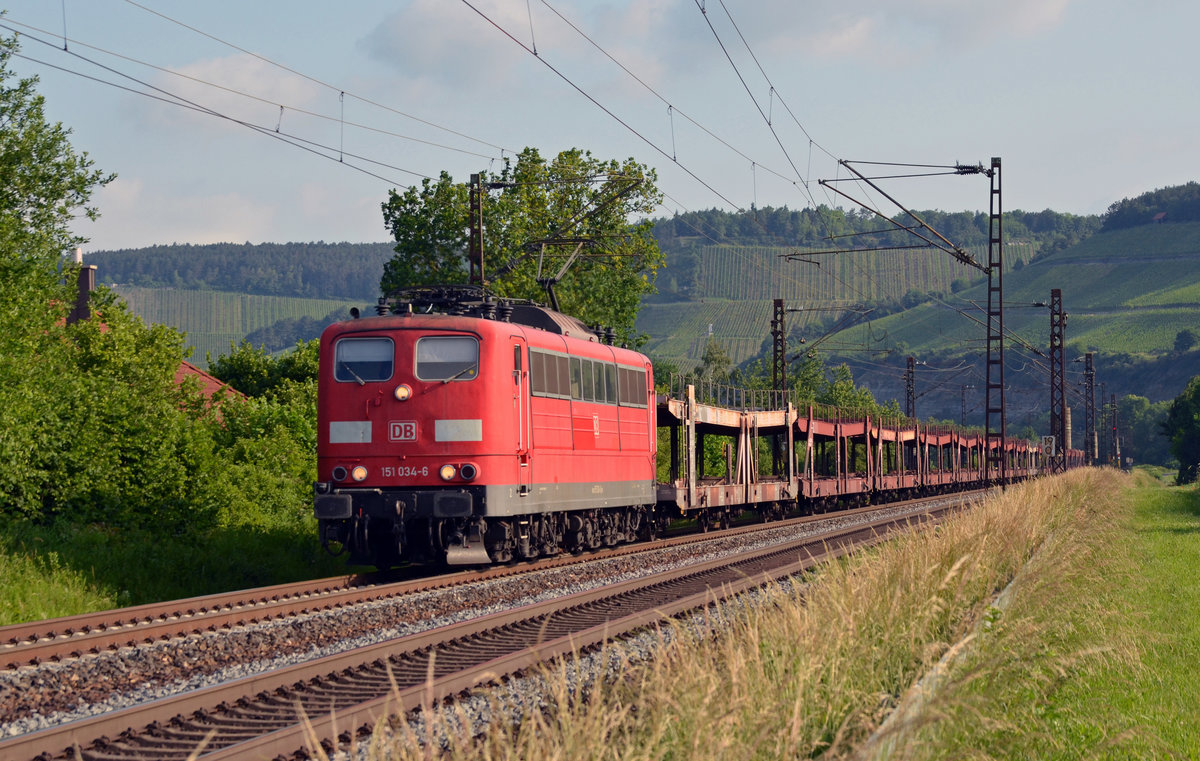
[812, 669]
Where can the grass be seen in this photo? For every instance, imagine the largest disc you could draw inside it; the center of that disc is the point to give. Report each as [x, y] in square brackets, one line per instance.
[1099, 662]
[816, 672]
[52, 571]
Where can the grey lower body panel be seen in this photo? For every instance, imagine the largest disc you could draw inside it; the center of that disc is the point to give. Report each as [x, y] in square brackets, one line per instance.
[488, 501]
[503, 501]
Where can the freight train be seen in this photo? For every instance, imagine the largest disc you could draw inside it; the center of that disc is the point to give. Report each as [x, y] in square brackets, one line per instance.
[458, 428]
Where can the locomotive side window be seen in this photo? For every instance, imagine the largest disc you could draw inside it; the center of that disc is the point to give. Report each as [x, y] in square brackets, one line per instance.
[633, 387]
[551, 374]
[564, 375]
[538, 372]
[576, 378]
[358, 360]
[610, 383]
[447, 358]
[589, 380]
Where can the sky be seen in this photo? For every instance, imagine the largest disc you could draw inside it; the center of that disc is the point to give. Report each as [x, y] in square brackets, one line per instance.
[292, 120]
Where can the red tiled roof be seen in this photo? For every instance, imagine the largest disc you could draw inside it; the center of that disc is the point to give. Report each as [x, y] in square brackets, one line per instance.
[210, 385]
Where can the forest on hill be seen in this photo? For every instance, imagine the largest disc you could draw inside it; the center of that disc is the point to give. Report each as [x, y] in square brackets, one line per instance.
[1180, 203]
[305, 270]
[755, 244]
[822, 227]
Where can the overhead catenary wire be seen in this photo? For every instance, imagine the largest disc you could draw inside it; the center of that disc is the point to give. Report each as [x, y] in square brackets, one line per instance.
[662, 151]
[594, 101]
[672, 109]
[166, 96]
[314, 80]
[754, 100]
[251, 96]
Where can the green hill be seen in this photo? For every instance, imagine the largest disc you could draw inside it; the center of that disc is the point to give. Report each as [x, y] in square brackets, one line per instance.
[739, 285]
[1126, 292]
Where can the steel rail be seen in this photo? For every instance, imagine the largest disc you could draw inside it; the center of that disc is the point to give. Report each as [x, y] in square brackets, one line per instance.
[272, 726]
[73, 636]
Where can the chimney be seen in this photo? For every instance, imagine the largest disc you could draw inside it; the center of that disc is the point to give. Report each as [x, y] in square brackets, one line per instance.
[87, 284]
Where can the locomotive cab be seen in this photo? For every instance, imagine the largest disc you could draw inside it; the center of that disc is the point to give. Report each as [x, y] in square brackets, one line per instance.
[403, 442]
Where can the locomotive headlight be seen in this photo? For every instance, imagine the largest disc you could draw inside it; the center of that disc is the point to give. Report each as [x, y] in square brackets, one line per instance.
[468, 472]
[339, 473]
[359, 473]
[403, 392]
[447, 472]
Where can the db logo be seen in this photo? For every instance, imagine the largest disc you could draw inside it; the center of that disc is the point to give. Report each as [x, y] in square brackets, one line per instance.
[402, 430]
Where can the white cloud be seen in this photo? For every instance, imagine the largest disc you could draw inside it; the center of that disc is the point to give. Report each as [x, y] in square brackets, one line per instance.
[894, 32]
[432, 40]
[242, 87]
[329, 213]
[139, 212]
[162, 215]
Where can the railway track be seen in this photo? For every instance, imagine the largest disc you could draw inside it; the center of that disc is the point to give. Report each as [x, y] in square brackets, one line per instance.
[264, 716]
[55, 640]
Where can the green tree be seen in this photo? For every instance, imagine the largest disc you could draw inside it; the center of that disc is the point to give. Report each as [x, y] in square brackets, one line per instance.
[44, 185]
[254, 371]
[1185, 340]
[431, 227]
[1182, 427]
[538, 212]
[1142, 422]
[715, 363]
[839, 390]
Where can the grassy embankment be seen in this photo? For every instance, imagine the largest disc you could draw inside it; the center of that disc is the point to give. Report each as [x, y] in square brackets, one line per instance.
[1063, 618]
[64, 570]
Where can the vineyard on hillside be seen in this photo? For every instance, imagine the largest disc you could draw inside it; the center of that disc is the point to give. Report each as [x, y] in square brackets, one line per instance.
[739, 285]
[213, 320]
[761, 273]
[680, 331]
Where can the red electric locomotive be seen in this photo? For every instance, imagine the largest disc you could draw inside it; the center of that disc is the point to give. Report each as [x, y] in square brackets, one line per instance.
[455, 427]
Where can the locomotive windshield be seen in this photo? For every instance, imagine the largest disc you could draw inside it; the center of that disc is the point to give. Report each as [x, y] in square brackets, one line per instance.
[447, 358]
[358, 360]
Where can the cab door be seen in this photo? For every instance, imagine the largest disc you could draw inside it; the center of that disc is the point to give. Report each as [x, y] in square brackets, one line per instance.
[520, 395]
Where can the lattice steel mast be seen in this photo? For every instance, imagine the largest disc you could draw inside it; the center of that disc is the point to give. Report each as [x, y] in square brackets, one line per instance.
[1058, 412]
[995, 416]
[1089, 407]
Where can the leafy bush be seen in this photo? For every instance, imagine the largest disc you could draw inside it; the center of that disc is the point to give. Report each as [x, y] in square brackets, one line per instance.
[254, 372]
